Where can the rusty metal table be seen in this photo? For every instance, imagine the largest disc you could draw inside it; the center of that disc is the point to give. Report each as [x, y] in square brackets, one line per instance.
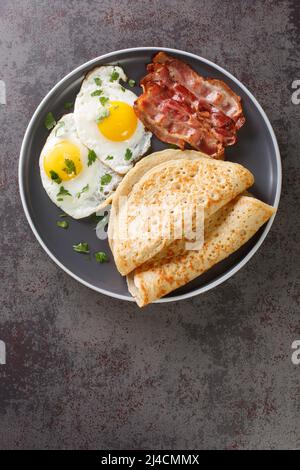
[87, 371]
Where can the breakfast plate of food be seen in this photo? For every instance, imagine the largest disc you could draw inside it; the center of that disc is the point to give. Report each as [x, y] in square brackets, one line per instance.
[132, 136]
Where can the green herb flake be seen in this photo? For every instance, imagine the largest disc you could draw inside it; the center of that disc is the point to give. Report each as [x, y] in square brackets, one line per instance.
[92, 157]
[96, 218]
[49, 121]
[103, 114]
[173, 146]
[131, 83]
[114, 76]
[62, 224]
[84, 190]
[97, 93]
[55, 177]
[98, 81]
[62, 192]
[105, 179]
[82, 247]
[101, 257]
[70, 167]
[103, 100]
[68, 105]
[128, 154]
[63, 215]
[109, 157]
[123, 88]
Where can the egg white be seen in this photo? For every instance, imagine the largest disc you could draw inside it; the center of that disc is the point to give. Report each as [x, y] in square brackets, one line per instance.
[77, 205]
[86, 112]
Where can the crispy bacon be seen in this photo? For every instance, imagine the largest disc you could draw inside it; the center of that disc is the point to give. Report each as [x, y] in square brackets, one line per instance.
[179, 106]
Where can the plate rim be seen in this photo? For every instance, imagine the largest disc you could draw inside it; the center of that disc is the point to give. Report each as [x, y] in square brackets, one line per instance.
[211, 284]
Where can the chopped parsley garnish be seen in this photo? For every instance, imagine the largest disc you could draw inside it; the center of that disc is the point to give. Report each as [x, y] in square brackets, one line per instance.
[55, 177]
[98, 81]
[114, 76]
[96, 218]
[49, 121]
[128, 154]
[103, 100]
[105, 179]
[92, 157]
[101, 257]
[97, 93]
[123, 88]
[81, 247]
[84, 190]
[68, 105]
[173, 146]
[131, 82]
[103, 114]
[63, 215]
[109, 157]
[70, 167]
[59, 128]
[62, 224]
[62, 192]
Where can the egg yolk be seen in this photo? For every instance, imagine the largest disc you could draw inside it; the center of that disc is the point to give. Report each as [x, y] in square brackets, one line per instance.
[121, 122]
[63, 160]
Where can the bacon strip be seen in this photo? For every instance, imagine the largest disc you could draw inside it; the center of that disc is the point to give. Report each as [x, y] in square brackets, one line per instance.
[179, 106]
[216, 92]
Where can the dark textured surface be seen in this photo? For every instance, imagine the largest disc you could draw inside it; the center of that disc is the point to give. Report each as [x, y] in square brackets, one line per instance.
[87, 371]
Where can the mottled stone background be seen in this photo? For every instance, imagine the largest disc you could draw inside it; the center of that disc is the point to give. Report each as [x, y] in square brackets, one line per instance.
[87, 371]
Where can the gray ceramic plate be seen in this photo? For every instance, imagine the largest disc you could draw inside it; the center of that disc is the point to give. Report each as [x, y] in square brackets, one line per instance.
[256, 149]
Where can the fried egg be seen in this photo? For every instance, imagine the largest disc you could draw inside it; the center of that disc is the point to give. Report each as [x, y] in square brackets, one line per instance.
[106, 121]
[73, 177]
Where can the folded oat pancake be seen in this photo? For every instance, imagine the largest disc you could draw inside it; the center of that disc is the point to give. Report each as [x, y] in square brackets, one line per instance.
[225, 232]
[168, 179]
